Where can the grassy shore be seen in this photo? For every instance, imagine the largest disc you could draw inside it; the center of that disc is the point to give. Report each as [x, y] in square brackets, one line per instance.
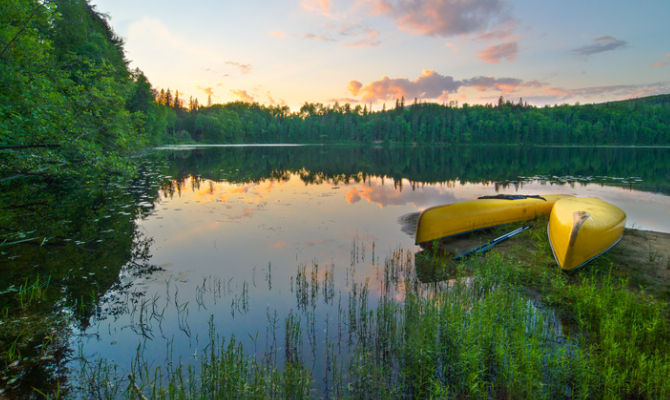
[507, 325]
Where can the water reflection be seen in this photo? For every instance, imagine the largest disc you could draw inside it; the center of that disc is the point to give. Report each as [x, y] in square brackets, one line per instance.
[244, 238]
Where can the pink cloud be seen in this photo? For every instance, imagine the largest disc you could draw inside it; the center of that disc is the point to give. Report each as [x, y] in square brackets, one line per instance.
[661, 63]
[432, 85]
[500, 32]
[494, 54]
[244, 68]
[442, 17]
[321, 38]
[278, 34]
[552, 95]
[243, 95]
[429, 85]
[343, 100]
[273, 101]
[207, 90]
[317, 6]
[377, 7]
[370, 40]
[354, 87]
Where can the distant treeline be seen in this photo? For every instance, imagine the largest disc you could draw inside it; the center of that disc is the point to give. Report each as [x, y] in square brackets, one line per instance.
[68, 101]
[635, 122]
[646, 169]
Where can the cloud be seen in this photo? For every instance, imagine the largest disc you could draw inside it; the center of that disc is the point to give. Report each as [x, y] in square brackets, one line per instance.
[244, 68]
[321, 38]
[323, 7]
[504, 85]
[354, 87]
[207, 90]
[661, 63]
[354, 35]
[273, 101]
[501, 32]
[601, 44]
[442, 17]
[370, 39]
[553, 95]
[343, 100]
[429, 85]
[278, 34]
[150, 36]
[243, 95]
[432, 85]
[494, 54]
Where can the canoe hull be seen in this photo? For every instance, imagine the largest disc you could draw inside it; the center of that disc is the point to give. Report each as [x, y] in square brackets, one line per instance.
[454, 219]
[581, 229]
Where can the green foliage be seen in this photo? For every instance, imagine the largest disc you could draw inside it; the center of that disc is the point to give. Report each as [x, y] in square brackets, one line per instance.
[68, 103]
[479, 336]
[624, 123]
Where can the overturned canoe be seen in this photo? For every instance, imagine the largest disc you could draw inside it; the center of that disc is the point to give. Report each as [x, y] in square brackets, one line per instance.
[485, 212]
[581, 229]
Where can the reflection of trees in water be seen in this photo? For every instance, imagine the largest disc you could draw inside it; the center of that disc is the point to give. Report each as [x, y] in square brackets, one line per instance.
[86, 235]
[641, 168]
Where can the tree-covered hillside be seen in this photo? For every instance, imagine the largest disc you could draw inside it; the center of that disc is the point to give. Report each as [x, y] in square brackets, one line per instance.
[68, 102]
[636, 122]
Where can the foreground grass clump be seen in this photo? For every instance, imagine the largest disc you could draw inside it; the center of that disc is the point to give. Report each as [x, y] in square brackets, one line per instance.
[225, 372]
[499, 329]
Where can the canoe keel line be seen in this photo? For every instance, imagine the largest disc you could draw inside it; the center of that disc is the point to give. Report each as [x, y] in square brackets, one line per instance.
[581, 229]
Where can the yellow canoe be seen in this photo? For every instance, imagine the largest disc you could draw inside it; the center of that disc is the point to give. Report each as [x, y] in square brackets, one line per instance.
[488, 211]
[581, 229]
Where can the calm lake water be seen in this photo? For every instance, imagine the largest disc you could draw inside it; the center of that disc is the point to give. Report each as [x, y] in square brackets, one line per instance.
[237, 238]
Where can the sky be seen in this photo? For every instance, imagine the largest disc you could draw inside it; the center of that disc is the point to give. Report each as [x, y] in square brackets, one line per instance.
[372, 52]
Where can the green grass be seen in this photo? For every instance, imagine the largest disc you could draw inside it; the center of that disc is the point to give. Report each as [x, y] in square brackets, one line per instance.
[500, 328]
[509, 325]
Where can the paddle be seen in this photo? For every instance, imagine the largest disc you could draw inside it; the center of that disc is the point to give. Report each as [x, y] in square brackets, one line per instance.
[487, 246]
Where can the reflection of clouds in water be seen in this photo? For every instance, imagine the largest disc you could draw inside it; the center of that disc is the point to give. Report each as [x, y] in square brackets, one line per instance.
[389, 195]
[352, 196]
[193, 231]
[222, 191]
[247, 212]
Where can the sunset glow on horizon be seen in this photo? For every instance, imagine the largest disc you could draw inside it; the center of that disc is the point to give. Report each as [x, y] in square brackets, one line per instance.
[373, 52]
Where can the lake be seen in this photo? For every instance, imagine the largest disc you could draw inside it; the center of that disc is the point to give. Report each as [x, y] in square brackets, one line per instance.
[235, 240]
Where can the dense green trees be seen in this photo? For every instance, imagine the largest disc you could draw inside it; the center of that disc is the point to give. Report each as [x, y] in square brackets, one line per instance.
[636, 122]
[68, 102]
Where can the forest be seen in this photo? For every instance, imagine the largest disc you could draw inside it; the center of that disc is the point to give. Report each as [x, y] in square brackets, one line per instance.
[644, 121]
[70, 105]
